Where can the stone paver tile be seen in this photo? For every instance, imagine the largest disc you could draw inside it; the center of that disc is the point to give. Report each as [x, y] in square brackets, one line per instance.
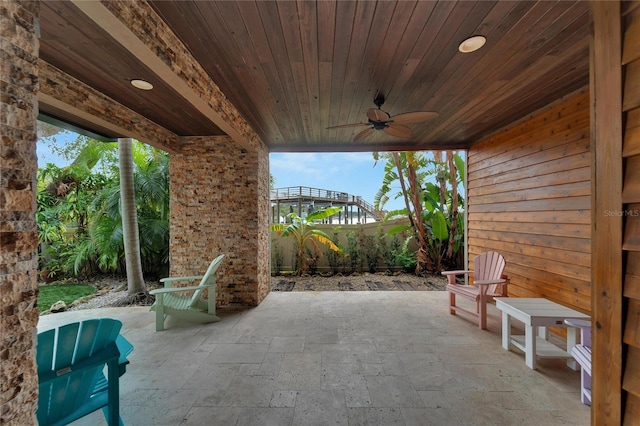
[431, 417]
[392, 391]
[375, 416]
[214, 377]
[239, 353]
[286, 344]
[300, 371]
[358, 397]
[206, 416]
[243, 391]
[271, 364]
[320, 408]
[265, 416]
[283, 398]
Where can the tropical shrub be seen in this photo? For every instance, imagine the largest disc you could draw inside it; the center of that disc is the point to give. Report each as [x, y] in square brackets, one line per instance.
[307, 237]
[333, 257]
[78, 212]
[371, 250]
[277, 257]
[352, 260]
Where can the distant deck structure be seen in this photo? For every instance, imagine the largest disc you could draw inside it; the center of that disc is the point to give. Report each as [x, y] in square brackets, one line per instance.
[303, 200]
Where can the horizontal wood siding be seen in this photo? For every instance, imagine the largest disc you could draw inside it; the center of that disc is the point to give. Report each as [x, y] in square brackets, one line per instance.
[631, 217]
[529, 197]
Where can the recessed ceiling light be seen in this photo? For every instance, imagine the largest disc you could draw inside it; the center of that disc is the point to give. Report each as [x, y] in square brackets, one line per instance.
[141, 84]
[472, 44]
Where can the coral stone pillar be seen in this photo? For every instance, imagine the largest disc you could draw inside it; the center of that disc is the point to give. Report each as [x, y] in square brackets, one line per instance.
[220, 204]
[18, 233]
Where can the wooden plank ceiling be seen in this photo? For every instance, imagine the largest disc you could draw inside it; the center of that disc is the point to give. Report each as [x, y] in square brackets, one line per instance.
[292, 69]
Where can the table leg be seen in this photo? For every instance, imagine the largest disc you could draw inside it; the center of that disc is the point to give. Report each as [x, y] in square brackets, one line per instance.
[506, 330]
[530, 346]
[542, 332]
[572, 339]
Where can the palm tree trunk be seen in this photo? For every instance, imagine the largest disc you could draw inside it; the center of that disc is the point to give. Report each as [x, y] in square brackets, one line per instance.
[135, 280]
[413, 197]
[454, 203]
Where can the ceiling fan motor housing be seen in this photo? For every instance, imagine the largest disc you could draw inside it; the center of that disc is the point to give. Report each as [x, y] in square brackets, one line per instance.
[378, 125]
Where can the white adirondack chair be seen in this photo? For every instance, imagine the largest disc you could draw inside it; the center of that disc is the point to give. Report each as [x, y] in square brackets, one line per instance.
[173, 301]
[488, 282]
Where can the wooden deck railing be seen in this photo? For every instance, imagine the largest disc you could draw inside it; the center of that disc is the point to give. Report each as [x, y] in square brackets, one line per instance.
[295, 193]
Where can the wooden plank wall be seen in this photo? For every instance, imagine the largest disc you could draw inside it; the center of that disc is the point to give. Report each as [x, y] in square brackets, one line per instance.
[529, 198]
[631, 211]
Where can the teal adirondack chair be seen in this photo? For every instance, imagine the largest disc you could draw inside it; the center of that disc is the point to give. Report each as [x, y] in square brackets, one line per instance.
[173, 301]
[71, 360]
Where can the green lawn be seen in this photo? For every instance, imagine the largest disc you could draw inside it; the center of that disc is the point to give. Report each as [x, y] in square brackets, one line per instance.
[50, 294]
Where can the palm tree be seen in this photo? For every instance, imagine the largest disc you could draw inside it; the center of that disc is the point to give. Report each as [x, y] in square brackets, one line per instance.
[307, 237]
[151, 187]
[135, 279]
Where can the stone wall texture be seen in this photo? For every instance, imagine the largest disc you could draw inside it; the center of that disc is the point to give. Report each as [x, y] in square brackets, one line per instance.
[220, 204]
[18, 233]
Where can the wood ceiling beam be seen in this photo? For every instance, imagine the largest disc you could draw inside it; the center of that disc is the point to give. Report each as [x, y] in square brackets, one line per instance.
[126, 22]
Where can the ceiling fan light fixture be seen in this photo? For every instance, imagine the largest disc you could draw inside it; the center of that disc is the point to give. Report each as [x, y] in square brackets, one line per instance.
[472, 44]
[141, 84]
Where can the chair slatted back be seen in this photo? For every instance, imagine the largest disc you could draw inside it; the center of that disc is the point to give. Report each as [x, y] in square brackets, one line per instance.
[63, 389]
[209, 277]
[489, 266]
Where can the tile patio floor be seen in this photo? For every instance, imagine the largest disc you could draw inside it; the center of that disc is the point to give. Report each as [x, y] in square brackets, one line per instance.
[334, 358]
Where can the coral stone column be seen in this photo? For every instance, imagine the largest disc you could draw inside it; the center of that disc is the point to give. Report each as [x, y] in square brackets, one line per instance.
[220, 204]
[18, 233]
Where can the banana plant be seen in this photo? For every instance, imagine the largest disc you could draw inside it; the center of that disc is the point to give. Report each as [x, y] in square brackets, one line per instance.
[432, 208]
[308, 238]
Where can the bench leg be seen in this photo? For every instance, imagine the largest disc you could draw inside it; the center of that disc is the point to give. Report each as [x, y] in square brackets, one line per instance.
[530, 346]
[506, 331]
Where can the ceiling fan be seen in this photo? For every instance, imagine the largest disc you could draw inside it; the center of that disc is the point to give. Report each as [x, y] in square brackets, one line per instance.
[382, 120]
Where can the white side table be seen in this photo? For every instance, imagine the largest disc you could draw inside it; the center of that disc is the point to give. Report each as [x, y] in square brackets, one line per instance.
[537, 314]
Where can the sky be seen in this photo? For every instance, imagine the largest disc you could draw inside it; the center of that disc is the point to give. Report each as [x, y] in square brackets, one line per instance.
[353, 173]
[43, 149]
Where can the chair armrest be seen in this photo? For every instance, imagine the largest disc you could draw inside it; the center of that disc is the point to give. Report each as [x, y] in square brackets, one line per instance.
[168, 281]
[177, 289]
[490, 282]
[585, 329]
[451, 275]
[109, 354]
[171, 279]
[578, 323]
[456, 272]
[125, 348]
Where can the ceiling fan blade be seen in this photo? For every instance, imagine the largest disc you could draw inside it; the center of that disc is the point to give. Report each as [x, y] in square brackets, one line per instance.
[398, 130]
[375, 114]
[363, 134]
[413, 117]
[349, 125]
